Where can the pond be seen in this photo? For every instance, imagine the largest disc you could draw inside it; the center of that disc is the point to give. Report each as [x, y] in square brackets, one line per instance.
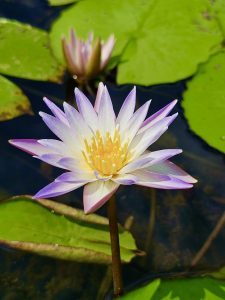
[169, 226]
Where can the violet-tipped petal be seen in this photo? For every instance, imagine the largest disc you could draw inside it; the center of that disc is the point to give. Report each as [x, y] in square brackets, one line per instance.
[102, 151]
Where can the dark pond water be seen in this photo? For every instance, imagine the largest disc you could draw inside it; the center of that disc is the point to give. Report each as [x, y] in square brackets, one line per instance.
[183, 219]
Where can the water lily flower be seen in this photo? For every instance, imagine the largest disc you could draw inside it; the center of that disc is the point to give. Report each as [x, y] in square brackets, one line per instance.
[85, 60]
[102, 151]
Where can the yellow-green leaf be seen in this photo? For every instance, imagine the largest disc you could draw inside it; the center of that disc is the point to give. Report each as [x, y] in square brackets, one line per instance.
[204, 102]
[13, 102]
[60, 2]
[158, 42]
[49, 228]
[201, 288]
[25, 52]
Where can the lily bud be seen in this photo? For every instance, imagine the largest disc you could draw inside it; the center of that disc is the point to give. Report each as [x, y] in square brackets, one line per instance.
[86, 59]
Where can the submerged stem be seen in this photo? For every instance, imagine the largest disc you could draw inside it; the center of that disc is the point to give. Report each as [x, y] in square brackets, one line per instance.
[209, 241]
[115, 247]
[151, 221]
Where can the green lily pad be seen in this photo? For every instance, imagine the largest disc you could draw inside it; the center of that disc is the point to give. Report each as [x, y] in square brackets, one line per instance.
[219, 10]
[157, 42]
[220, 274]
[25, 52]
[180, 289]
[49, 228]
[204, 102]
[60, 2]
[13, 102]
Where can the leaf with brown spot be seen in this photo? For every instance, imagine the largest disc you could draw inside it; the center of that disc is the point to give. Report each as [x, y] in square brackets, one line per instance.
[13, 102]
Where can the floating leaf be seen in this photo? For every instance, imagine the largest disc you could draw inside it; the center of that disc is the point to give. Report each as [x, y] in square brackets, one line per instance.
[219, 10]
[180, 289]
[25, 52]
[158, 42]
[220, 274]
[60, 2]
[49, 228]
[13, 102]
[204, 102]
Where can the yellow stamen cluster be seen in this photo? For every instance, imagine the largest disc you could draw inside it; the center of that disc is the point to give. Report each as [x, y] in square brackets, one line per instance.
[106, 154]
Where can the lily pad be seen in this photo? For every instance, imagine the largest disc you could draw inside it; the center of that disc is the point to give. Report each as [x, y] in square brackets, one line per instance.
[60, 2]
[220, 274]
[219, 10]
[180, 289]
[157, 42]
[49, 228]
[13, 102]
[25, 52]
[204, 102]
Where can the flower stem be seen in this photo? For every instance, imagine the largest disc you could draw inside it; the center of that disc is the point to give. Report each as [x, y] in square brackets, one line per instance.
[115, 247]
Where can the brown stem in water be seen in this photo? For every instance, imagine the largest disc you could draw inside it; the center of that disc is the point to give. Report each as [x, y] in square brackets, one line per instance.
[105, 284]
[89, 90]
[115, 247]
[151, 222]
[209, 241]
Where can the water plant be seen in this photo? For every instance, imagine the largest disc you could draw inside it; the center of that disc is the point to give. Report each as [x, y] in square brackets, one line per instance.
[86, 60]
[102, 151]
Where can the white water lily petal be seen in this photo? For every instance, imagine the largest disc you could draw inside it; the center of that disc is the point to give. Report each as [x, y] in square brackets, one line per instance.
[97, 193]
[51, 159]
[107, 49]
[127, 109]
[159, 115]
[106, 114]
[87, 47]
[69, 58]
[102, 177]
[167, 167]
[55, 146]
[103, 152]
[57, 188]
[98, 96]
[74, 164]
[56, 111]
[86, 110]
[160, 181]
[149, 159]
[135, 122]
[61, 130]
[78, 57]
[72, 39]
[143, 140]
[140, 143]
[77, 177]
[31, 146]
[125, 179]
[79, 127]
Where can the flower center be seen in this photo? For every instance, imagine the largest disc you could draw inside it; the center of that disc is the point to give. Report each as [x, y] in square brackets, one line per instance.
[106, 154]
